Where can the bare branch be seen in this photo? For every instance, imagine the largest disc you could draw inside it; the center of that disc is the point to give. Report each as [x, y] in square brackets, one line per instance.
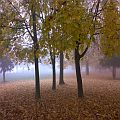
[84, 52]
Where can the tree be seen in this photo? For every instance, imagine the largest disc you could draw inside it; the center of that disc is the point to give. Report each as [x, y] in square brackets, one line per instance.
[110, 32]
[74, 26]
[6, 64]
[110, 35]
[49, 47]
[50, 36]
[36, 48]
[113, 62]
[24, 21]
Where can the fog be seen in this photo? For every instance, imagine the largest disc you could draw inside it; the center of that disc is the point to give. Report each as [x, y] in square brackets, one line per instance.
[26, 72]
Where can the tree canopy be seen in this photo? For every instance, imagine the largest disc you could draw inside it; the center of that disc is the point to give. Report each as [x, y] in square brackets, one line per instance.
[110, 37]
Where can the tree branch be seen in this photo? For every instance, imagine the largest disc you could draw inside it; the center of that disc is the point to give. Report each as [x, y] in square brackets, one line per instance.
[21, 17]
[82, 55]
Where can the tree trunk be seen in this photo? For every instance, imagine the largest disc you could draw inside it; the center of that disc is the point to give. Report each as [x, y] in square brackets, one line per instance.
[3, 76]
[87, 68]
[78, 73]
[54, 73]
[37, 82]
[36, 47]
[61, 81]
[114, 72]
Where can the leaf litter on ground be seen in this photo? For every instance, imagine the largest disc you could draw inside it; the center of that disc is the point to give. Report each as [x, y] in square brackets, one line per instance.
[101, 100]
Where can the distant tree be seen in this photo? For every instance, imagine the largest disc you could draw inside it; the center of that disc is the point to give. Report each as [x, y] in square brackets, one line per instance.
[92, 57]
[6, 64]
[113, 62]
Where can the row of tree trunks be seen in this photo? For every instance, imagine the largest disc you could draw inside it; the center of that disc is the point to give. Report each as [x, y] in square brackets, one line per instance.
[61, 80]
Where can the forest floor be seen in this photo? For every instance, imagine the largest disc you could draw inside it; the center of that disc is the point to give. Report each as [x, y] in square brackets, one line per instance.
[101, 100]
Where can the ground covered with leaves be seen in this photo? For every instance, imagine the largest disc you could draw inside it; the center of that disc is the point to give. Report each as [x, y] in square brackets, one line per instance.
[101, 100]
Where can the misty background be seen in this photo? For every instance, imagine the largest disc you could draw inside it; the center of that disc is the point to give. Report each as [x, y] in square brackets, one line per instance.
[26, 72]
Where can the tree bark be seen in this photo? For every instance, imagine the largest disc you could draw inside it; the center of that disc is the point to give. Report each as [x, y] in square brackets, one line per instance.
[54, 72]
[87, 68]
[78, 74]
[114, 72]
[37, 82]
[61, 81]
[36, 47]
[3, 76]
